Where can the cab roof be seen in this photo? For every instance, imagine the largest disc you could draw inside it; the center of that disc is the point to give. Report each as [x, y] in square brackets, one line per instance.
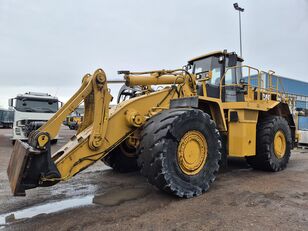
[214, 53]
[36, 95]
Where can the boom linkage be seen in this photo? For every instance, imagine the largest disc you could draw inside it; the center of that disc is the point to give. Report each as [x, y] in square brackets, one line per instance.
[101, 131]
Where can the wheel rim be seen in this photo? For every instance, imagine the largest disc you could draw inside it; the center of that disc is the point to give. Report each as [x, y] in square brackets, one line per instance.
[280, 144]
[192, 152]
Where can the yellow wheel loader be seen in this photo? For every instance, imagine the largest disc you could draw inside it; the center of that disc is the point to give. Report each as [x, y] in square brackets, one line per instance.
[176, 126]
[73, 121]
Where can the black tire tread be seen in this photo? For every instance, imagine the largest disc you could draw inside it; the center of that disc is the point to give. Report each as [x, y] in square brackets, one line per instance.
[264, 158]
[155, 136]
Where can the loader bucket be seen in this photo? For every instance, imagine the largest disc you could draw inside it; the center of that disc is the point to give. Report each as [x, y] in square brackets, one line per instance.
[27, 166]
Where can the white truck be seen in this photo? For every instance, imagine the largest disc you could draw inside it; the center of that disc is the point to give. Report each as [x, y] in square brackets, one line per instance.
[31, 110]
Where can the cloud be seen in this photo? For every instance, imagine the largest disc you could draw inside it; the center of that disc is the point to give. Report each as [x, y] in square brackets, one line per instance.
[54, 43]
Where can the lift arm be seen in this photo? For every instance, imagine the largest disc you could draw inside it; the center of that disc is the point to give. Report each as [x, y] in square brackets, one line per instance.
[32, 165]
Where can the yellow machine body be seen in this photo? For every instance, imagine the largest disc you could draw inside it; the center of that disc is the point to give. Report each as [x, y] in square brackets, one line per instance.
[242, 132]
[104, 128]
[73, 121]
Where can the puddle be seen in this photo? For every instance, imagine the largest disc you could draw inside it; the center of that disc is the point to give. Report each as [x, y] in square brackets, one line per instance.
[110, 198]
[119, 196]
[45, 209]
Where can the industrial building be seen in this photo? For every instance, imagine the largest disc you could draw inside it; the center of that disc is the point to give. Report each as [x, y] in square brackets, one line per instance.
[294, 88]
[298, 89]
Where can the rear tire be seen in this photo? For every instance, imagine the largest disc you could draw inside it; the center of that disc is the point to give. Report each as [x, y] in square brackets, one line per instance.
[122, 159]
[73, 127]
[160, 148]
[269, 158]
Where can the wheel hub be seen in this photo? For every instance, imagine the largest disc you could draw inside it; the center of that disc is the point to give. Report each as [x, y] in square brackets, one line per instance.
[128, 147]
[280, 144]
[192, 152]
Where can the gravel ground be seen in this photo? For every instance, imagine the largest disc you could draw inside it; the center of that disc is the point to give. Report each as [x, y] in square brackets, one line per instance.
[240, 199]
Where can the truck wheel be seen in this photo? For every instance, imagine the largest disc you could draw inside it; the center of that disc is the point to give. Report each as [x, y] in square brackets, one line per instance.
[179, 151]
[122, 159]
[273, 148]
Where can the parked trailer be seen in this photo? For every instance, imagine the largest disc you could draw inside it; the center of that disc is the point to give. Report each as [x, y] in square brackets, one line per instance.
[6, 118]
[303, 130]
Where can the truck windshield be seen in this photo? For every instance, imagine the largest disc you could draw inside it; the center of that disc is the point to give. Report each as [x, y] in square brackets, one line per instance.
[36, 105]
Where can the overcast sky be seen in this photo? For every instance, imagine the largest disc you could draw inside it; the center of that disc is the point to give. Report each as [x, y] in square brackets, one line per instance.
[48, 46]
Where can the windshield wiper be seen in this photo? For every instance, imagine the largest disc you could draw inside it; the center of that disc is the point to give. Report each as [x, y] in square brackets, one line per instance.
[46, 109]
[27, 109]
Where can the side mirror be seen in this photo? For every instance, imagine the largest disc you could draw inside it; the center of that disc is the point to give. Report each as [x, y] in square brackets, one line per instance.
[60, 104]
[187, 67]
[232, 60]
[11, 103]
[221, 59]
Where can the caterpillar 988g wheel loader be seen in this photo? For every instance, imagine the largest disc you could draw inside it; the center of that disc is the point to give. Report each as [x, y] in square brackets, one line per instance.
[176, 126]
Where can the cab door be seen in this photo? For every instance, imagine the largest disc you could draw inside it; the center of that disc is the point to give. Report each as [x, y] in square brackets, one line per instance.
[230, 91]
[213, 85]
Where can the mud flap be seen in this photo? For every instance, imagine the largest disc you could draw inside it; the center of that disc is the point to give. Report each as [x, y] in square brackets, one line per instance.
[28, 165]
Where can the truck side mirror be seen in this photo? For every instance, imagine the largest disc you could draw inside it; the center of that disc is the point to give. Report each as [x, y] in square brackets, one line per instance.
[11, 103]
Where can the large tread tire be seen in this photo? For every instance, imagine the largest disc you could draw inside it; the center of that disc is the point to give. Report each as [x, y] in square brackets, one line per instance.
[121, 162]
[159, 142]
[265, 158]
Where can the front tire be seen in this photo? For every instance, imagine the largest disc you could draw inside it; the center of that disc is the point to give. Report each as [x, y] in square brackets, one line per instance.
[274, 144]
[179, 152]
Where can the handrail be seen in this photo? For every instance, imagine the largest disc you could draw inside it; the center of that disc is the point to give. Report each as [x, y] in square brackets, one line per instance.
[269, 89]
[235, 67]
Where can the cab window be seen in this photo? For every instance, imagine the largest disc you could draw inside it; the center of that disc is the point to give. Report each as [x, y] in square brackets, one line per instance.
[233, 75]
[203, 66]
[216, 74]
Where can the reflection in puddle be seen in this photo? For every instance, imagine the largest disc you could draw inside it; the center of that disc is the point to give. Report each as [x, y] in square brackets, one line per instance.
[48, 208]
[119, 196]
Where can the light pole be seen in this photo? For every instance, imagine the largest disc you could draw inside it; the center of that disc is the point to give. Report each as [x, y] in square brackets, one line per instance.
[239, 9]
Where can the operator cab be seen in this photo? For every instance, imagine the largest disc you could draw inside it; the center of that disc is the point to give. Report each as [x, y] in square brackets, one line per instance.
[213, 66]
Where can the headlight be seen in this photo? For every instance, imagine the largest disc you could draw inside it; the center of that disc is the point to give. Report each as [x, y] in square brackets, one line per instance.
[20, 123]
[17, 131]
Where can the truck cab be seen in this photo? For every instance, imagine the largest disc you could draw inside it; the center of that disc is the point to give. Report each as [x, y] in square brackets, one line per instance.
[31, 110]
